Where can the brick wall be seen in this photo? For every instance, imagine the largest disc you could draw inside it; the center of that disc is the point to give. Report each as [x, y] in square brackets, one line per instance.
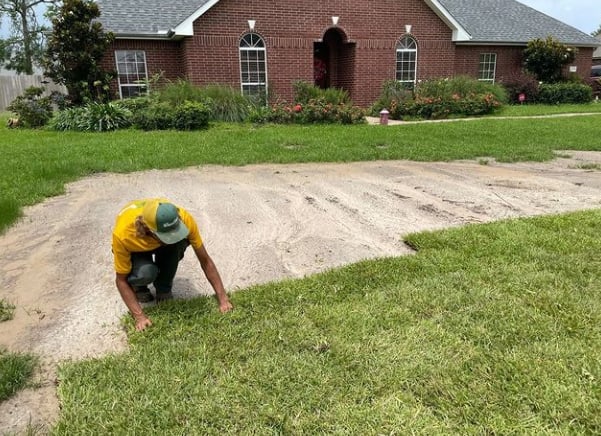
[509, 60]
[363, 60]
[163, 57]
[362, 45]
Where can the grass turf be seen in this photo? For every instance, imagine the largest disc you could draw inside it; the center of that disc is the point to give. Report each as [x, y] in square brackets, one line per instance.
[489, 329]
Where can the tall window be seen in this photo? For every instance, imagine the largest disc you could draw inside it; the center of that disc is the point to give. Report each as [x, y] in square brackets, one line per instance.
[132, 73]
[253, 65]
[488, 67]
[406, 60]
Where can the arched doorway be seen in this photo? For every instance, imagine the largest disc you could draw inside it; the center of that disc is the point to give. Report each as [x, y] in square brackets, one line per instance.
[334, 61]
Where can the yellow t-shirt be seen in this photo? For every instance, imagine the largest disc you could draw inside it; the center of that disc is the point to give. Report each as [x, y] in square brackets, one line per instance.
[125, 240]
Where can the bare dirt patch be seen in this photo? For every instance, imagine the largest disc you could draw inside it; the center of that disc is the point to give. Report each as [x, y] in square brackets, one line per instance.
[260, 223]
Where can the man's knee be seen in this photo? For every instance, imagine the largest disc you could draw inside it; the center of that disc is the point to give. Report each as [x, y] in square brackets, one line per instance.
[143, 275]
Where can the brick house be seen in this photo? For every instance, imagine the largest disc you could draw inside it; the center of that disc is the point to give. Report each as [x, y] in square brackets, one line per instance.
[262, 45]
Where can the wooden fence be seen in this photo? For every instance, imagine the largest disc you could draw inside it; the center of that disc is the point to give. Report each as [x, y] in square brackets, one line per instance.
[13, 86]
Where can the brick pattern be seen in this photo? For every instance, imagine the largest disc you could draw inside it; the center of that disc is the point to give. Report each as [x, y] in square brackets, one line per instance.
[362, 47]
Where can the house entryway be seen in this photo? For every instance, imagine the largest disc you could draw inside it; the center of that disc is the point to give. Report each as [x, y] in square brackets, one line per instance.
[334, 61]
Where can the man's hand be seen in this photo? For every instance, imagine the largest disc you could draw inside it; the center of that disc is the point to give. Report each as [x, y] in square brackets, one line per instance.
[225, 306]
[142, 322]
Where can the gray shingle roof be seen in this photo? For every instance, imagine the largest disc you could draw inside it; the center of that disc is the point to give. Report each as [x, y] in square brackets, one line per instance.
[486, 21]
[509, 21]
[145, 17]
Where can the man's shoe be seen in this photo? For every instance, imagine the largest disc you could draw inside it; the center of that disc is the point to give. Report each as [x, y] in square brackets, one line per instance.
[143, 295]
[164, 296]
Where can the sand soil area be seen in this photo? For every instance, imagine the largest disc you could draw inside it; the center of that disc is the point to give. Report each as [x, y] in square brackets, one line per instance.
[260, 223]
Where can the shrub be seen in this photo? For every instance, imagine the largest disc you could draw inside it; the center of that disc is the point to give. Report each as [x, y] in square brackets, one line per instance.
[546, 58]
[561, 93]
[157, 116]
[305, 92]
[315, 111]
[227, 103]
[134, 104]
[392, 94]
[459, 87]
[178, 92]
[521, 84]
[68, 119]
[191, 116]
[95, 117]
[101, 117]
[442, 98]
[32, 109]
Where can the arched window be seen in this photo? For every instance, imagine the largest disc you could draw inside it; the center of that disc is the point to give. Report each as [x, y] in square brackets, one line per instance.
[253, 65]
[406, 60]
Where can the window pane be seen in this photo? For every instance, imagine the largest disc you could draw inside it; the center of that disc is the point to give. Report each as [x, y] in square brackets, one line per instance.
[253, 65]
[131, 69]
[487, 67]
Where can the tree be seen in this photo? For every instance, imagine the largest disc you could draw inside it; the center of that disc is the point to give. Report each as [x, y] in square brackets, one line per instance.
[546, 59]
[597, 32]
[75, 49]
[23, 49]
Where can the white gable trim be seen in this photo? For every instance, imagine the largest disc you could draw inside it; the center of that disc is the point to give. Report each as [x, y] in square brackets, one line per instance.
[459, 33]
[186, 27]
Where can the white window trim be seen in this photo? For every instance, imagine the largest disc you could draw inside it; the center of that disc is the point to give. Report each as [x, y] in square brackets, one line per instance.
[405, 50]
[494, 69]
[243, 49]
[131, 85]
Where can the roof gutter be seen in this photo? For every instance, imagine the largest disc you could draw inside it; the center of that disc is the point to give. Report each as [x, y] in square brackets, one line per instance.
[159, 35]
[522, 44]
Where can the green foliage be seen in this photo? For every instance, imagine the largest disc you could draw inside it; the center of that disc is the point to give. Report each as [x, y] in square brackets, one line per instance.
[228, 104]
[565, 93]
[134, 104]
[24, 47]
[74, 51]
[521, 84]
[545, 59]
[95, 117]
[191, 116]
[392, 92]
[225, 103]
[314, 112]
[178, 92]
[443, 98]
[15, 370]
[7, 310]
[312, 105]
[157, 116]
[458, 87]
[32, 108]
[305, 92]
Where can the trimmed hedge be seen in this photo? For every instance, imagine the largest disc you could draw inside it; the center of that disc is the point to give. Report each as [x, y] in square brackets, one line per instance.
[564, 93]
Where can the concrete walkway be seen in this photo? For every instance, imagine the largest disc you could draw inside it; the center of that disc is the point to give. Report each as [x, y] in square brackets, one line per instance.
[376, 120]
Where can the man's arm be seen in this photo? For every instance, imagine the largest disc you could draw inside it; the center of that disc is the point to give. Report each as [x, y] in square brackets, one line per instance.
[210, 270]
[129, 298]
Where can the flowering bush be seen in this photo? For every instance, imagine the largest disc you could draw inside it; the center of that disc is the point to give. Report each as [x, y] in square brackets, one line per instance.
[443, 98]
[313, 112]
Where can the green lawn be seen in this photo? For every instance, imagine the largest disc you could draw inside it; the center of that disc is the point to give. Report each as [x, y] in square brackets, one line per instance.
[37, 164]
[489, 329]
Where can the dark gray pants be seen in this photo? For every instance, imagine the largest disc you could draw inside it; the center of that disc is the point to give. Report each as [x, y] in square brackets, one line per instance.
[158, 267]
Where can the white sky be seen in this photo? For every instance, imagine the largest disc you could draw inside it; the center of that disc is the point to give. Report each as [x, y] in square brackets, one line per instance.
[584, 15]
